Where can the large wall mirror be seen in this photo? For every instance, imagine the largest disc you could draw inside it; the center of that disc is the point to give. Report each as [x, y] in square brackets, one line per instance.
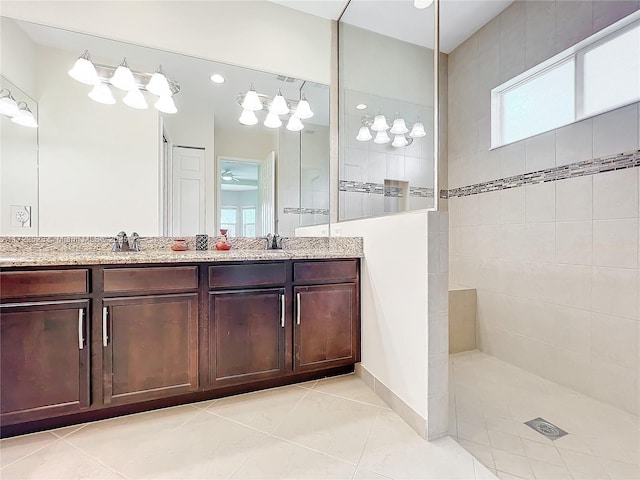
[386, 109]
[96, 165]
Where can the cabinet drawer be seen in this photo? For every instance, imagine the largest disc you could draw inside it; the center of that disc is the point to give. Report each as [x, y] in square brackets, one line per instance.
[44, 282]
[150, 279]
[339, 270]
[256, 274]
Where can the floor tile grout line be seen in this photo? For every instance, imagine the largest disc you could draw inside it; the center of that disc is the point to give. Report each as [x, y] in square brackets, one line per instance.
[287, 440]
[55, 440]
[352, 399]
[97, 460]
[221, 417]
[293, 408]
[366, 442]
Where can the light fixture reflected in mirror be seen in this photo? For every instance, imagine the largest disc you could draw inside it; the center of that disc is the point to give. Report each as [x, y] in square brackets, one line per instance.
[135, 99]
[8, 104]
[380, 123]
[24, 116]
[381, 137]
[279, 105]
[399, 141]
[361, 106]
[303, 111]
[399, 127]
[272, 121]
[217, 78]
[364, 135]
[123, 78]
[294, 124]
[248, 117]
[166, 105]
[101, 93]
[422, 4]
[418, 130]
[83, 70]
[251, 100]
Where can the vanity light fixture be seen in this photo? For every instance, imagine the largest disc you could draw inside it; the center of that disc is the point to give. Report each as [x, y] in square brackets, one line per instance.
[135, 99]
[276, 106]
[101, 93]
[303, 111]
[84, 71]
[379, 123]
[122, 77]
[381, 137]
[24, 116]
[421, 4]
[403, 134]
[364, 135]
[279, 105]
[248, 117]
[8, 104]
[272, 121]
[294, 124]
[217, 78]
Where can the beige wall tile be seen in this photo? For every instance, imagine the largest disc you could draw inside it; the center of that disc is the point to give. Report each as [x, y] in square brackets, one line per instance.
[615, 243]
[540, 202]
[615, 194]
[615, 292]
[574, 242]
[574, 199]
[614, 340]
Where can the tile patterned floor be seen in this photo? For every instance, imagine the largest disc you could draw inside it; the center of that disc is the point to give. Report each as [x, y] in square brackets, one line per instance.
[335, 428]
[490, 400]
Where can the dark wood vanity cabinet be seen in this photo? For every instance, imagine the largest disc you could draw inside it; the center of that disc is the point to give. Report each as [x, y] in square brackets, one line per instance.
[84, 343]
[45, 359]
[150, 347]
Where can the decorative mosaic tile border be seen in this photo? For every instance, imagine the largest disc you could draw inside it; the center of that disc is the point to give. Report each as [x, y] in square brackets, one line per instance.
[381, 189]
[311, 211]
[579, 169]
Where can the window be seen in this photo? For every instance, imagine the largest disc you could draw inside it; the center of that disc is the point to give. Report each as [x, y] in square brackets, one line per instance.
[249, 221]
[599, 74]
[228, 220]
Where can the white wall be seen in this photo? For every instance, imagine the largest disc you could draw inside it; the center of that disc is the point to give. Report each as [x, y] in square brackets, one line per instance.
[254, 34]
[555, 264]
[404, 307]
[98, 163]
[18, 54]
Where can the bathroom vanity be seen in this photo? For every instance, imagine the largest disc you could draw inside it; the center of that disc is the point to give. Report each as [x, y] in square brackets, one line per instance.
[86, 341]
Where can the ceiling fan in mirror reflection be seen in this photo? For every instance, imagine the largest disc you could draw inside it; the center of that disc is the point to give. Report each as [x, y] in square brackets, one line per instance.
[18, 112]
[123, 78]
[252, 102]
[228, 176]
[403, 135]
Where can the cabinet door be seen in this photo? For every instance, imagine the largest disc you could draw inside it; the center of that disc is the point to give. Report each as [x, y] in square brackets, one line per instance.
[44, 360]
[327, 326]
[247, 335]
[150, 347]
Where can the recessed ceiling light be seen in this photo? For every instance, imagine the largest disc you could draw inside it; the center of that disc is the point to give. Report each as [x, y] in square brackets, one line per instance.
[217, 78]
[361, 106]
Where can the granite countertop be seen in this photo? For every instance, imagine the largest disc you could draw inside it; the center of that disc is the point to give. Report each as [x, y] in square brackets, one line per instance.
[52, 251]
[53, 258]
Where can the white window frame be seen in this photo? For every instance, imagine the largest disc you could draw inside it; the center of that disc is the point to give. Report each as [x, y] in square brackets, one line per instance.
[577, 53]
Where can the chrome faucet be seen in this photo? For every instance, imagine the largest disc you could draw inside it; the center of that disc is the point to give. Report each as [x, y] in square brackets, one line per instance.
[122, 243]
[274, 242]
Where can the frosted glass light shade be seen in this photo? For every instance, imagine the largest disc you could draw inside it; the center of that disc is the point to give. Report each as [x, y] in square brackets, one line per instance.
[399, 127]
[381, 137]
[294, 124]
[303, 110]
[399, 141]
[279, 105]
[252, 101]
[83, 70]
[165, 105]
[159, 85]
[380, 124]
[364, 135]
[135, 99]
[417, 130]
[8, 105]
[420, 4]
[272, 121]
[248, 117]
[101, 93]
[24, 117]
[122, 78]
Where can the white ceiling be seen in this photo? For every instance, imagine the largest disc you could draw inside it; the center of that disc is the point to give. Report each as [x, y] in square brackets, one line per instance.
[459, 19]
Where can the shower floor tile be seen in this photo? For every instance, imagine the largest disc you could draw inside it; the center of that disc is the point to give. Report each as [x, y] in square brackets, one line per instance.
[490, 402]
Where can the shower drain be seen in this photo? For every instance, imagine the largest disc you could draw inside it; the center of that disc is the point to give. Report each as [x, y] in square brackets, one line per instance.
[547, 429]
